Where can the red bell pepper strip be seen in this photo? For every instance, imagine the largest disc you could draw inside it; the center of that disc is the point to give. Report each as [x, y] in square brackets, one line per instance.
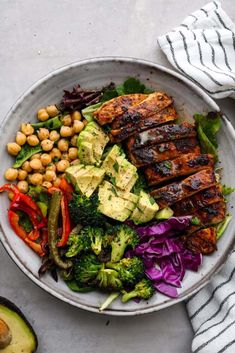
[35, 246]
[44, 240]
[34, 234]
[9, 187]
[14, 222]
[66, 188]
[66, 221]
[33, 216]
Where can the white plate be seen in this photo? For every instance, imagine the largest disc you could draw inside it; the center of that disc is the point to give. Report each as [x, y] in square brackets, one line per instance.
[98, 72]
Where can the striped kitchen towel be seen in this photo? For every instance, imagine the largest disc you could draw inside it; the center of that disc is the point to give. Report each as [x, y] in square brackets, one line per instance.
[203, 49]
[212, 313]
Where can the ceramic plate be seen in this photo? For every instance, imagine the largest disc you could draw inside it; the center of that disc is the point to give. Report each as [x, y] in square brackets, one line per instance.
[98, 72]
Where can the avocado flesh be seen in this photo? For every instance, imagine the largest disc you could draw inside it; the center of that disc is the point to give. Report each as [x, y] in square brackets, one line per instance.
[24, 339]
[165, 213]
[145, 210]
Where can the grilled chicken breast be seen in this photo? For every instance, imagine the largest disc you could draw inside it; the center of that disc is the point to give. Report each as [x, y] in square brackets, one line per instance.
[199, 200]
[142, 123]
[208, 216]
[117, 106]
[162, 134]
[186, 164]
[177, 191]
[151, 105]
[202, 241]
[162, 151]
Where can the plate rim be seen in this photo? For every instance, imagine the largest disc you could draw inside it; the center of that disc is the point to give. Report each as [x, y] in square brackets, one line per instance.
[47, 287]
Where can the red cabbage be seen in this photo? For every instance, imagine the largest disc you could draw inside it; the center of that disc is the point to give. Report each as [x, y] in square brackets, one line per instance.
[164, 255]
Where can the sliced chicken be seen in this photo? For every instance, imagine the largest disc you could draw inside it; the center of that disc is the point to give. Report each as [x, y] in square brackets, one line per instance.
[208, 216]
[162, 151]
[199, 200]
[203, 241]
[115, 107]
[177, 191]
[151, 105]
[162, 134]
[142, 123]
[184, 165]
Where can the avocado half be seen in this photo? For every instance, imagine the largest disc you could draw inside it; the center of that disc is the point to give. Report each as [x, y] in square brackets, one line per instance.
[16, 333]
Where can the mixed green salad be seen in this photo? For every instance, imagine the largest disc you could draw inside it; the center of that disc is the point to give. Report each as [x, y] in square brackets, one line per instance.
[85, 209]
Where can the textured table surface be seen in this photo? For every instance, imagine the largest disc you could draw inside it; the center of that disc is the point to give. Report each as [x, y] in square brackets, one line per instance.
[37, 37]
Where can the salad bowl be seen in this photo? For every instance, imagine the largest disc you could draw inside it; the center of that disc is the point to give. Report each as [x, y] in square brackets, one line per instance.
[96, 73]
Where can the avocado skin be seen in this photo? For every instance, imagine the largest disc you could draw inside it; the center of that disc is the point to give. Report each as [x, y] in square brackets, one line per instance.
[11, 306]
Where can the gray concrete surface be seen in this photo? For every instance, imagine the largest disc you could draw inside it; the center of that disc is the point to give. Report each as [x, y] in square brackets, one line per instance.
[35, 38]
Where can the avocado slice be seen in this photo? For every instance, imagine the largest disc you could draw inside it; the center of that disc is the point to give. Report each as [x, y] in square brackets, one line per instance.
[165, 213]
[16, 333]
[91, 143]
[109, 163]
[145, 210]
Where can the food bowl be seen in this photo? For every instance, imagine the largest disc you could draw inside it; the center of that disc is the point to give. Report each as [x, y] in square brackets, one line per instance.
[96, 73]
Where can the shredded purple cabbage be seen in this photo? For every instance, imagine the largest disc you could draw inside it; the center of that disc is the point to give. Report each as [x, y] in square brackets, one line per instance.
[164, 255]
[79, 98]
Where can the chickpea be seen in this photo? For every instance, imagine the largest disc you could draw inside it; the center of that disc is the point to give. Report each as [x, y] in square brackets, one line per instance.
[78, 126]
[22, 174]
[20, 138]
[26, 166]
[54, 135]
[76, 116]
[65, 131]
[23, 186]
[67, 120]
[43, 115]
[11, 174]
[57, 182]
[13, 148]
[43, 133]
[32, 140]
[63, 145]
[62, 165]
[36, 179]
[55, 153]
[51, 166]
[47, 145]
[74, 140]
[35, 156]
[73, 153]
[45, 159]
[65, 157]
[50, 175]
[11, 195]
[52, 110]
[36, 164]
[85, 122]
[75, 162]
[27, 129]
[47, 184]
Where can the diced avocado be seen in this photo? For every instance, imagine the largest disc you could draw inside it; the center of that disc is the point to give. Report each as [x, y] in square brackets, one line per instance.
[91, 143]
[85, 178]
[126, 195]
[109, 162]
[16, 333]
[165, 213]
[112, 204]
[132, 182]
[145, 210]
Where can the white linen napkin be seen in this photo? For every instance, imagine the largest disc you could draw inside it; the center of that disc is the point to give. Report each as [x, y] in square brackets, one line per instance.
[212, 313]
[202, 48]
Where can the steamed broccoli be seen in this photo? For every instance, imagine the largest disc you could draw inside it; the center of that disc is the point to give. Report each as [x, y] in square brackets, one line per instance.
[89, 239]
[108, 279]
[83, 210]
[86, 269]
[142, 290]
[130, 270]
[125, 236]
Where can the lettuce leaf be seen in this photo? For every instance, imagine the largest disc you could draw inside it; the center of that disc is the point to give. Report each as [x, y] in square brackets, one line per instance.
[207, 128]
[227, 190]
[221, 227]
[88, 112]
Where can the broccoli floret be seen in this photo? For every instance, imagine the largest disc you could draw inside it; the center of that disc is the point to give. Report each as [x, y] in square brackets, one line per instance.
[86, 269]
[125, 236]
[83, 210]
[89, 238]
[130, 270]
[108, 279]
[142, 290]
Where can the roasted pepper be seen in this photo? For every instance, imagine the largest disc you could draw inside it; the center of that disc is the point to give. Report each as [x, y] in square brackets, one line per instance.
[66, 221]
[53, 218]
